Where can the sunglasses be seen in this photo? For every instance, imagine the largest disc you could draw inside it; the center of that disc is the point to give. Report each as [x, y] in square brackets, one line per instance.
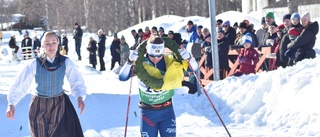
[224, 26]
[155, 56]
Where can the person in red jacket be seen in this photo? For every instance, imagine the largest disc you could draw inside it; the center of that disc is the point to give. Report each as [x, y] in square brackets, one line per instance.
[248, 57]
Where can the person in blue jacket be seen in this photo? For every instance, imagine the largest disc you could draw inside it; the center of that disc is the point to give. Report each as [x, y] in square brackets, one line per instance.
[192, 31]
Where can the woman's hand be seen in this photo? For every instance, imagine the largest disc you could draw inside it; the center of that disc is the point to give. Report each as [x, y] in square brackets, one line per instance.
[81, 105]
[10, 112]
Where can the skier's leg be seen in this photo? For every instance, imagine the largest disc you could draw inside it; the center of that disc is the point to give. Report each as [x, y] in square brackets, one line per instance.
[149, 127]
[167, 127]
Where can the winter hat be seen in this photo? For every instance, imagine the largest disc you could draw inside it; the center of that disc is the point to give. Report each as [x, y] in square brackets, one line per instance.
[161, 29]
[190, 22]
[295, 15]
[171, 32]
[270, 15]
[122, 38]
[273, 24]
[263, 20]
[155, 46]
[132, 31]
[140, 30]
[200, 27]
[286, 16]
[76, 23]
[247, 22]
[243, 25]
[219, 21]
[147, 28]
[306, 16]
[184, 41]
[280, 27]
[115, 35]
[226, 23]
[247, 39]
[154, 28]
[236, 24]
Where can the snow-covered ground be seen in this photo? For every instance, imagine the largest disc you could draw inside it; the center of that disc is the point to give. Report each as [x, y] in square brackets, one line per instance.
[276, 103]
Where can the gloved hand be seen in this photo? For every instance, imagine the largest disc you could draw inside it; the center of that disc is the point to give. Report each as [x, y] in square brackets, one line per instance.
[184, 54]
[242, 59]
[133, 56]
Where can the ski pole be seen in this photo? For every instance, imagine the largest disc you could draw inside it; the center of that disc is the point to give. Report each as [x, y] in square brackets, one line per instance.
[205, 92]
[129, 99]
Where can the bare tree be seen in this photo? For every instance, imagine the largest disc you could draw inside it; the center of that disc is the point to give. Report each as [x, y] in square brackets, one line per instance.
[292, 5]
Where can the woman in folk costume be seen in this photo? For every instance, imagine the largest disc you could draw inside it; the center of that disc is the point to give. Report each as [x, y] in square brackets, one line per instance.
[51, 113]
[159, 76]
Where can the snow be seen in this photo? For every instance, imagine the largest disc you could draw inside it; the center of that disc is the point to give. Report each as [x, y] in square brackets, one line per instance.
[275, 103]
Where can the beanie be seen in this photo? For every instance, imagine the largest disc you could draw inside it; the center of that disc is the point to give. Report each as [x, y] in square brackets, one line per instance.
[226, 23]
[122, 38]
[280, 27]
[115, 35]
[154, 28]
[295, 15]
[170, 32]
[161, 29]
[286, 16]
[243, 25]
[220, 31]
[247, 39]
[190, 22]
[236, 24]
[263, 20]
[76, 23]
[140, 30]
[306, 16]
[132, 31]
[270, 15]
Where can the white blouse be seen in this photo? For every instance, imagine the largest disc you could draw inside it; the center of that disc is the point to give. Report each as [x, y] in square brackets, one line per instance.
[25, 77]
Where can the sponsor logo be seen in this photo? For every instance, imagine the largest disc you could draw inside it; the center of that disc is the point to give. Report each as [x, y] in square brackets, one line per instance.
[171, 130]
[144, 134]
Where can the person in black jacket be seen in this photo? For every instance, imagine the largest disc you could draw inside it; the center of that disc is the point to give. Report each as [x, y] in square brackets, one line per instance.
[136, 39]
[64, 43]
[36, 45]
[115, 51]
[77, 36]
[230, 32]
[101, 49]
[27, 41]
[305, 42]
[92, 48]
[12, 44]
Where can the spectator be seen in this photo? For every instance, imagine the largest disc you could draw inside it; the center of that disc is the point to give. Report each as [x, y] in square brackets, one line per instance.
[140, 33]
[124, 51]
[13, 45]
[248, 57]
[161, 33]
[260, 32]
[236, 26]
[230, 32]
[305, 42]
[77, 36]
[192, 31]
[154, 31]
[92, 48]
[219, 25]
[281, 60]
[0, 36]
[176, 37]
[136, 37]
[243, 31]
[115, 51]
[146, 34]
[64, 43]
[27, 41]
[101, 49]
[200, 36]
[36, 45]
[269, 18]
